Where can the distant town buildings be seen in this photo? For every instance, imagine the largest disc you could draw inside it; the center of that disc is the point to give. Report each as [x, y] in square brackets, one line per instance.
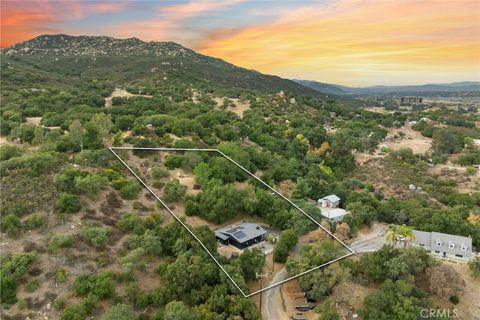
[410, 100]
[242, 235]
[444, 245]
[330, 208]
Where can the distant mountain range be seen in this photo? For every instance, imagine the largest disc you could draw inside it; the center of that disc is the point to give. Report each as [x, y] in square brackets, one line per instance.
[464, 86]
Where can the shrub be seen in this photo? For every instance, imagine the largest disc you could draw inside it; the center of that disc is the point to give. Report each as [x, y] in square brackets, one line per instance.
[130, 190]
[174, 191]
[158, 173]
[158, 184]
[58, 241]
[36, 163]
[95, 235]
[474, 265]
[327, 311]
[79, 311]
[32, 285]
[120, 312]
[118, 183]
[59, 304]
[130, 261]
[173, 161]
[131, 222]
[454, 299]
[100, 285]
[61, 275]
[35, 221]
[68, 203]
[90, 184]
[23, 194]
[470, 171]
[10, 224]
[11, 272]
[8, 151]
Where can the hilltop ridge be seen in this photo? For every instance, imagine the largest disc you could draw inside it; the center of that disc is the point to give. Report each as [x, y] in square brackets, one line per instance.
[62, 44]
[131, 59]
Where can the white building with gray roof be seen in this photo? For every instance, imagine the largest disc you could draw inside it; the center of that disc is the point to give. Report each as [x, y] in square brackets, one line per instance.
[330, 208]
[444, 245]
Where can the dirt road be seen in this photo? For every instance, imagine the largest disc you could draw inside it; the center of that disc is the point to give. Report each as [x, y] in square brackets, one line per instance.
[272, 306]
[122, 94]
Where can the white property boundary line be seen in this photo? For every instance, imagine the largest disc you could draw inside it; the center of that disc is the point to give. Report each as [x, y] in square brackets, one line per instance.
[351, 252]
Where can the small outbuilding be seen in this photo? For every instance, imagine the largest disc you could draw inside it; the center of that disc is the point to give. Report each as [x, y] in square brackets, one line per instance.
[330, 208]
[331, 201]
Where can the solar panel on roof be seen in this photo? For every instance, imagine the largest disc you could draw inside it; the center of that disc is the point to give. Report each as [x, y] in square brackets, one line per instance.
[239, 234]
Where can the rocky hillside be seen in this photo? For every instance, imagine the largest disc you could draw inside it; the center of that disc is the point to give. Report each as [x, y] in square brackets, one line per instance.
[125, 62]
[62, 44]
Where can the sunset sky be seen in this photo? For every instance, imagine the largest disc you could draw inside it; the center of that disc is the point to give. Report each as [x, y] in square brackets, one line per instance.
[357, 43]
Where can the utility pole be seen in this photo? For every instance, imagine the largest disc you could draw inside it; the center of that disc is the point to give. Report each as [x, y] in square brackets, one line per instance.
[259, 277]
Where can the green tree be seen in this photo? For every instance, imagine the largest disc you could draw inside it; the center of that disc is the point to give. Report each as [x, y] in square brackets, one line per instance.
[288, 240]
[406, 234]
[392, 234]
[77, 132]
[38, 136]
[203, 173]
[103, 125]
[446, 141]
[394, 300]
[251, 261]
[302, 189]
[174, 191]
[92, 138]
[178, 310]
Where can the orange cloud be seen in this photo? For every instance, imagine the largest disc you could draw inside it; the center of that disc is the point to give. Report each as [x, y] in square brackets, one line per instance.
[22, 20]
[184, 10]
[169, 24]
[109, 7]
[361, 42]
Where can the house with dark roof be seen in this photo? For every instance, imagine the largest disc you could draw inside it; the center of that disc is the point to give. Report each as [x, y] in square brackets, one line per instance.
[444, 245]
[242, 235]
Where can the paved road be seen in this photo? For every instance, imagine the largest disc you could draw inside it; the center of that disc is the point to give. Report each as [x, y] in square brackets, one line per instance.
[369, 245]
[372, 241]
